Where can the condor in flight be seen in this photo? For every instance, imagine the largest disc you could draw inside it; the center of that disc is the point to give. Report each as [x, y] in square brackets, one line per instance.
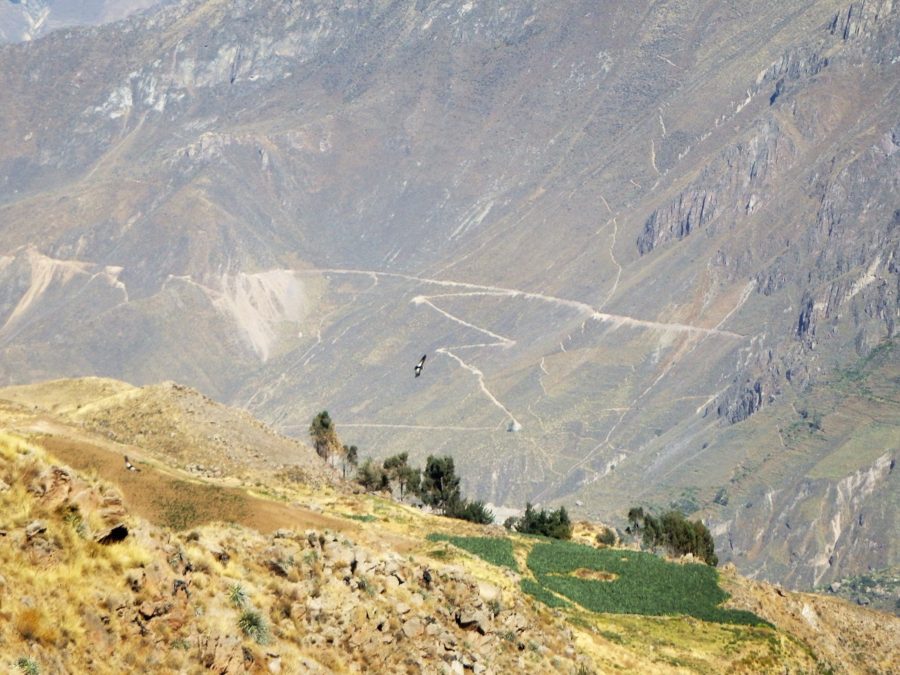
[420, 365]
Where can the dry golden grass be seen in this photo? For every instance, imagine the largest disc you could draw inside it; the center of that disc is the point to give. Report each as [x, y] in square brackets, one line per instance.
[33, 624]
[80, 601]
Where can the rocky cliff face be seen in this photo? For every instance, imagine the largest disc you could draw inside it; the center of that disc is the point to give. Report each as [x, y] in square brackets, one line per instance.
[632, 234]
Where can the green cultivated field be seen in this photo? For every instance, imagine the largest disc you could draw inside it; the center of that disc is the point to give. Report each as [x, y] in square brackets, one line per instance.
[641, 583]
[495, 550]
[609, 580]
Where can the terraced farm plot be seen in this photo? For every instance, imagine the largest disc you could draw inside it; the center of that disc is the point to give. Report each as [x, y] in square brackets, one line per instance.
[629, 582]
[612, 581]
[495, 550]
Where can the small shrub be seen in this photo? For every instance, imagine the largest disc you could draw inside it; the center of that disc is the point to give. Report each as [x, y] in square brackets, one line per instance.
[607, 536]
[365, 586]
[237, 596]
[28, 666]
[253, 625]
[474, 512]
[372, 477]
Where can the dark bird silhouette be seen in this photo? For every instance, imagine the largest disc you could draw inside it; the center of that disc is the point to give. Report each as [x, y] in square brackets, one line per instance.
[129, 465]
[420, 365]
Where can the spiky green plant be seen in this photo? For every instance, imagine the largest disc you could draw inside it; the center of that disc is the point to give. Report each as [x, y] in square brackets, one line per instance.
[28, 666]
[254, 626]
[237, 596]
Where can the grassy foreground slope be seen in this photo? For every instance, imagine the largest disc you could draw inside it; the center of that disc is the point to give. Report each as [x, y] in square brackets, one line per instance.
[282, 573]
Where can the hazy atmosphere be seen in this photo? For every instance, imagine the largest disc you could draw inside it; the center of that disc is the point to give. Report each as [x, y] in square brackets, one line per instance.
[650, 251]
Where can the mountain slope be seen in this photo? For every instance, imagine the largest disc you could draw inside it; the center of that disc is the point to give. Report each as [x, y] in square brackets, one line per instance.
[621, 230]
[320, 578]
[24, 20]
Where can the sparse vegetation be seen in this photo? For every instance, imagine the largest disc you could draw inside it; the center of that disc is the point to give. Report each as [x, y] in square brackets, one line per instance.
[88, 579]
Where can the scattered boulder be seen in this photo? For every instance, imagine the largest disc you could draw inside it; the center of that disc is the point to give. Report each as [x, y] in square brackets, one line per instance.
[488, 592]
[34, 528]
[413, 627]
[471, 618]
[113, 535]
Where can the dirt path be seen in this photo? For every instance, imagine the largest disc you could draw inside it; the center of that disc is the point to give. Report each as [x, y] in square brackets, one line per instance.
[165, 497]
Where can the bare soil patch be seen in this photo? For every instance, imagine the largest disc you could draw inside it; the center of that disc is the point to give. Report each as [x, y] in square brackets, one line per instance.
[594, 575]
[180, 502]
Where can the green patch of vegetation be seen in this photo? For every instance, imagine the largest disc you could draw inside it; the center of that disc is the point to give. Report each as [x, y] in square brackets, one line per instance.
[808, 424]
[612, 636]
[495, 550]
[237, 596]
[253, 625]
[555, 524]
[439, 554]
[180, 515]
[607, 537]
[643, 583]
[28, 666]
[539, 592]
[364, 518]
[854, 379]
[675, 532]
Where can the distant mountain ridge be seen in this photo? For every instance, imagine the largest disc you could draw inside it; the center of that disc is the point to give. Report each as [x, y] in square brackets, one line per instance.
[25, 20]
[643, 236]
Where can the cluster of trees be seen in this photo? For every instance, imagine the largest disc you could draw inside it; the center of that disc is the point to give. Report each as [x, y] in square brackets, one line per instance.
[393, 471]
[674, 532]
[437, 485]
[327, 444]
[554, 524]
